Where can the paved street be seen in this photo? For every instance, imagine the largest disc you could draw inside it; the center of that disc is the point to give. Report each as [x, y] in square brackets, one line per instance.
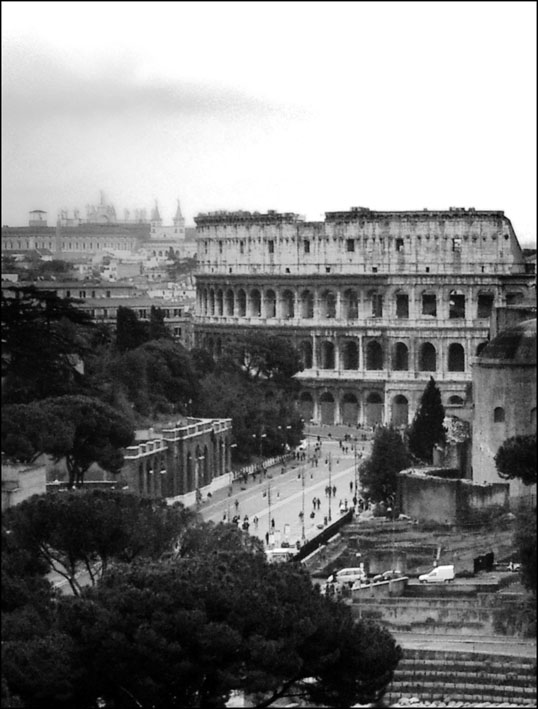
[280, 495]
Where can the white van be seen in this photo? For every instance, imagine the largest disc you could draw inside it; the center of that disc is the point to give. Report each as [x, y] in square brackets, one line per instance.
[347, 577]
[441, 574]
[278, 556]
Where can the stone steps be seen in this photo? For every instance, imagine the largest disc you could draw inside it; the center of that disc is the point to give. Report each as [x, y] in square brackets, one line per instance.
[433, 675]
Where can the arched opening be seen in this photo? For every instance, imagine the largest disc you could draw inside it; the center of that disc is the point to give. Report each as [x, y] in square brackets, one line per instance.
[204, 301]
[456, 305]
[374, 355]
[351, 304]
[307, 304]
[327, 355]
[288, 304]
[270, 304]
[205, 467]
[498, 414]
[220, 302]
[427, 358]
[327, 408]
[455, 401]
[189, 478]
[305, 349]
[242, 303]
[400, 411]
[328, 304]
[350, 355]
[350, 409]
[306, 406]
[456, 358]
[212, 302]
[480, 348]
[255, 303]
[230, 302]
[374, 409]
[400, 357]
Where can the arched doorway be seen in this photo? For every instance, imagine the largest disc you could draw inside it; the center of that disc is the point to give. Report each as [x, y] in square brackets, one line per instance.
[306, 406]
[374, 409]
[400, 411]
[327, 355]
[427, 358]
[374, 355]
[456, 358]
[350, 355]
[350, 409]
[305, 349]
[327, 408]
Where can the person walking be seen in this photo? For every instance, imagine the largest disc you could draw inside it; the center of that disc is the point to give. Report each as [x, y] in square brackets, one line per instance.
[236, 503]
[255, 521]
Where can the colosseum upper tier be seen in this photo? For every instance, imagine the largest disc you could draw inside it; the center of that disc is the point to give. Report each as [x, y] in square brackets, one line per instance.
[377, 302]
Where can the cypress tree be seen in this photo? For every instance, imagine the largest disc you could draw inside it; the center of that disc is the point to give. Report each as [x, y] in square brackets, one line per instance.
[427, 427]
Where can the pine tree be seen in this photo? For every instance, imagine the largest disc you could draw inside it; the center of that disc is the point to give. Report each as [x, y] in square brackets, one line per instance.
[379, 472]
[427, 428]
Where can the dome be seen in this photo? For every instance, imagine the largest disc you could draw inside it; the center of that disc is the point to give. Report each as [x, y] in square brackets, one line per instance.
[515, 345]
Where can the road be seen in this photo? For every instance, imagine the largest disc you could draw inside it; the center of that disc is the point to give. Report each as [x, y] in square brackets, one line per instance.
[279, 496]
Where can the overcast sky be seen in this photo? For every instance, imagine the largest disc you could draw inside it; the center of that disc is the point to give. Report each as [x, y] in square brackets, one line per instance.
[304, 107]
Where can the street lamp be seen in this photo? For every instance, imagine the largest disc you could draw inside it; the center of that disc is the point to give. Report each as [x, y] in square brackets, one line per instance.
[302, 513]
[330, 488]
[390, 498]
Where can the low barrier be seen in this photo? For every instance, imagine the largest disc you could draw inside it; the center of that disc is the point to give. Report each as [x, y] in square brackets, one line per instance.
[323, 537]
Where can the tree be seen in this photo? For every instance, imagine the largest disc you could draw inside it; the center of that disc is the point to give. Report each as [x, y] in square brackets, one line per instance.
[188, 632]
[379, 472]
[157, 328]
[79, 429]
[427, 428]
[130, 332]
[85, 530]
[516, 459]
[39, 327]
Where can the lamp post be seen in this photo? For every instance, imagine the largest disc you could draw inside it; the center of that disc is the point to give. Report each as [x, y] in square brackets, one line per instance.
[302, 514]
[390, 498]
[330, 487]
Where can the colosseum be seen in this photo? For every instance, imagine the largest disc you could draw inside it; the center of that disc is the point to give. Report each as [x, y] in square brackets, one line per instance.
[376, 302]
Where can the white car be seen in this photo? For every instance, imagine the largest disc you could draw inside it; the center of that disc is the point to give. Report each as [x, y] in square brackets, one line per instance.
[347, 577]
[440, 574]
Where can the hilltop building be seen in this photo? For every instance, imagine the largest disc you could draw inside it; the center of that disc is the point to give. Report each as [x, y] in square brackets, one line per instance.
[377, 302]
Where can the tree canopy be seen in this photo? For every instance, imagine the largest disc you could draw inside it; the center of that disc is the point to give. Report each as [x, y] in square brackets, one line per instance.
[427, 427]
[379, 472]
[525, 543]
[188, 632]
[79, 429]
[516, 459]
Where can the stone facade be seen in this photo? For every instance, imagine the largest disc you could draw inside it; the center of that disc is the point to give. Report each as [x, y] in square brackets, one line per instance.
[504, 395]
[182, 458]
[377, 302]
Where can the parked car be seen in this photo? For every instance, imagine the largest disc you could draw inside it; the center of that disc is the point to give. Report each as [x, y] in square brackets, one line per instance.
[440, 574]
[278, 556]
[347, 577]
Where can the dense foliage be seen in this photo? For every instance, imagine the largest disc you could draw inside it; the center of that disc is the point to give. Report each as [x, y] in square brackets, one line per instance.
[525, 543]
[427, 427]
[379, 472]
[183, 628]
[78, 429]
[516, 459]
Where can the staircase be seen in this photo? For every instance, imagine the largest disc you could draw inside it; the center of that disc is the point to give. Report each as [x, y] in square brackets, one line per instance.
[470, 677]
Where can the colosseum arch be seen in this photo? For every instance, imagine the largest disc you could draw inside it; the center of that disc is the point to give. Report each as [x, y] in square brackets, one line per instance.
[327, 355]
[270, 304]
[400, 411]
[350, 355]
[455, 401]
[255, 303]
[456, 357]
[374, 409]
[328, 304]
[230, 302]
[350, 409]
[220, 302]
[241, 303]
[307, 305]
[427, 358]
[351, 304]
[326, 403]
[288, 304]
[306, 405]
[400, 357]
[480, 347]
[374, 355]
[204, 301]
[305, 348]
[212, 302]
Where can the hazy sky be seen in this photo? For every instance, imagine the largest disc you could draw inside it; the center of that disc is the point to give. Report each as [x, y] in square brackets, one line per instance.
[305, 107]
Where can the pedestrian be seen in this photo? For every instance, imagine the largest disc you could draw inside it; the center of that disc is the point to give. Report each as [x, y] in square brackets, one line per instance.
[345, 504]
[255, 521]
[267, 538]
[351, 486]
[236, 503]
[224, 517]
[314, 502]
[334, 490]
[273, 523]
[319, 503]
